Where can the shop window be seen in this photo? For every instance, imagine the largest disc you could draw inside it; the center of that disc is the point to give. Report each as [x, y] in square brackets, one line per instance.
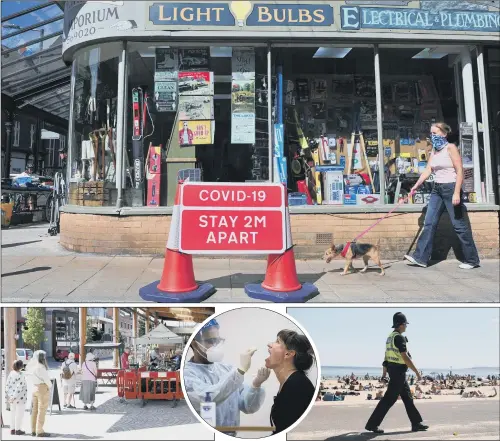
[327, 105]
[193, 111]
[93, 147]
[418, 89]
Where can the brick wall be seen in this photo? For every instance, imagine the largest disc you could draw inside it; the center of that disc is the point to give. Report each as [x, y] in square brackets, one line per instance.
[147, 235]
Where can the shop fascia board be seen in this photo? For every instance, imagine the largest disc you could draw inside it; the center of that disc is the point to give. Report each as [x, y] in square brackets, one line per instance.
[308, 209]
[212, 36]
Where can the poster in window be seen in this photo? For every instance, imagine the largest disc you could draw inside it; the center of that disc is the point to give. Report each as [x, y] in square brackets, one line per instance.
[196, 83]
[343, 87]
[243, 64]
[193, 108]
[303, 90]
[166, 64]
[365, 87]
[466, 152]
[166, 96]
[468, 184]
[243, 128]
[319, 89]
[195, 133]
[194, 59]
[319, 110]
[243, 96]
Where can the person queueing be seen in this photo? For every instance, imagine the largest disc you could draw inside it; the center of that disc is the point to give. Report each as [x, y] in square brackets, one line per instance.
[396, 363]
[89, 382]
[16, 395]
[205, 373]
[68, 375]
[38, 371]
[125, 359]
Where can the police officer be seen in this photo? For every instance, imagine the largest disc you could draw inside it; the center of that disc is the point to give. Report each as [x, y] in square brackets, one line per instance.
[396, 363]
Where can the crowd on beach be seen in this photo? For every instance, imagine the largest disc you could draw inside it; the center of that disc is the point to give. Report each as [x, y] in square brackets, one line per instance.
[373, 388]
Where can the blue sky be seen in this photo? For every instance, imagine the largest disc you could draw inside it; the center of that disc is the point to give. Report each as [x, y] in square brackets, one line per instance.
[11, 7]
[438, 337]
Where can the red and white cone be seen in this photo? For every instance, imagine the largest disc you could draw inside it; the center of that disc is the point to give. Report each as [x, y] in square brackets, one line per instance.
[281, 284]
[177, 282]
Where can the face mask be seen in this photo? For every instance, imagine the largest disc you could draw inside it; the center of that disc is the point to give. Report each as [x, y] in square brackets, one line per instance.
[214, 354]
[438, 141]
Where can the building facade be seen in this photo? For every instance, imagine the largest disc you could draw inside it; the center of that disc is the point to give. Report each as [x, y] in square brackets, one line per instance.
[243, 91]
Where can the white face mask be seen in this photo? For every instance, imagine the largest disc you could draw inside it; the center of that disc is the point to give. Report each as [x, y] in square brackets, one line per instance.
[214, 354]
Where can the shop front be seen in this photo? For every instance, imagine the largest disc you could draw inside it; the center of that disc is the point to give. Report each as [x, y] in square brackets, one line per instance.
[333, 99]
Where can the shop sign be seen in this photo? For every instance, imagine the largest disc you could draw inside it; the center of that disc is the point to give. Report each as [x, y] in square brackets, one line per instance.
[204, 14]
[355, 18]
[291, 15]
[227, 218]
[242, 12]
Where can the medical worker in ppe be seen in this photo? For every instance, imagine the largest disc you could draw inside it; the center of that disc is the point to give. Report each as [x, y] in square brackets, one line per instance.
[205, 372]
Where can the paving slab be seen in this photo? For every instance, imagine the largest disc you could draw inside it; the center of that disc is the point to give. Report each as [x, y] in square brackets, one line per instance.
[35, 268]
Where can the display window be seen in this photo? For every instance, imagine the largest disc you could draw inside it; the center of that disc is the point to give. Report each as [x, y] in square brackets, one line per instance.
[418, 89]
[94, 119]
[328, 105]
[197, 112]
[309, 119]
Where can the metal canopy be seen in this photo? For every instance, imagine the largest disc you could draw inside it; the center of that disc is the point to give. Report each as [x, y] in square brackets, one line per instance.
[33, 72]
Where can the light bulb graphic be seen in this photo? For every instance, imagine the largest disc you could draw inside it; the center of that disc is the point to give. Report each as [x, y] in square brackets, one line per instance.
[241, 10]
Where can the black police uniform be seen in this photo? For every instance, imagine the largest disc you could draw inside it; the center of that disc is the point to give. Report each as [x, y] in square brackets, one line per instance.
[398, 386]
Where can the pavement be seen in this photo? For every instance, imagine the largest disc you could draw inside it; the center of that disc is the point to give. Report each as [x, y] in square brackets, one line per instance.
[471, 419]
[114, 419]
[36, 268]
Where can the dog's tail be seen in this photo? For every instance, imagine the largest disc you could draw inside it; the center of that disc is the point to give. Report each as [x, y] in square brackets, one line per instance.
[378, 242]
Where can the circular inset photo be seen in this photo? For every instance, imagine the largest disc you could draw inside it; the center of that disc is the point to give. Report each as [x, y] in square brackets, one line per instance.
[250, 373]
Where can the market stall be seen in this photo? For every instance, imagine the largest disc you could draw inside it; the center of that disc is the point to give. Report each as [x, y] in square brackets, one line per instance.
[153, 376]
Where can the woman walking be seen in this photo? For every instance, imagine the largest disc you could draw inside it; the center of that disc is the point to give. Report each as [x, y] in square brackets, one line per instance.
[38, 372]
[446, 164]
[89, 382]
[16, 394]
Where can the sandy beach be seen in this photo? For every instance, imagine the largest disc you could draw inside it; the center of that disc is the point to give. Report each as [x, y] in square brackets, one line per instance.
[439, 394]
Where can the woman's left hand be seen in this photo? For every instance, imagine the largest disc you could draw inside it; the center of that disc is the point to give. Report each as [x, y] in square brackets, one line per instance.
[456, 199]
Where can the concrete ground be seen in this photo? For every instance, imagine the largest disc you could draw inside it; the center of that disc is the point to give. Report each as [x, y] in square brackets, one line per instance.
[35, 268]
[471, 419]
[114, 420]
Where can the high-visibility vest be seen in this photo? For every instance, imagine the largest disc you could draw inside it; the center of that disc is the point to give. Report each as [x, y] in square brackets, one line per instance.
[392, 354]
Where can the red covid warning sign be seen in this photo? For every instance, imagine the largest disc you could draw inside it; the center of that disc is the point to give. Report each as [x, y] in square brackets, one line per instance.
[232, 218]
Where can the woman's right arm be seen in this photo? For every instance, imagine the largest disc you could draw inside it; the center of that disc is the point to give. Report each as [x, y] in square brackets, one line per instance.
[424, 176]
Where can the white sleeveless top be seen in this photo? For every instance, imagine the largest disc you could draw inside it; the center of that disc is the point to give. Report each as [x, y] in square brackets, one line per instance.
[442, 167]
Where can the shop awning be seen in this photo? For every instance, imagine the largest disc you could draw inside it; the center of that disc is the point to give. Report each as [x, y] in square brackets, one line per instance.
[160, 335]
[33, 73]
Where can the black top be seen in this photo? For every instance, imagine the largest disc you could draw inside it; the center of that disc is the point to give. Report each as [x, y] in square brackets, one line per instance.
[292, 401]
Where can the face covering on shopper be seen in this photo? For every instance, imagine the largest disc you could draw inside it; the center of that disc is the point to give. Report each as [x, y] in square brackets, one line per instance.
[438, 142]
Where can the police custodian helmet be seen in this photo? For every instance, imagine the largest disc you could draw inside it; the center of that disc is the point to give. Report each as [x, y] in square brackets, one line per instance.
[399, 319]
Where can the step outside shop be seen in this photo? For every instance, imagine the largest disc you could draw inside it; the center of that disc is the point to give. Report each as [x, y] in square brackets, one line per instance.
[333, 99]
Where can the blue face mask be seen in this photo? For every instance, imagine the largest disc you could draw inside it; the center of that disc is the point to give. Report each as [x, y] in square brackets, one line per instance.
[438, 141]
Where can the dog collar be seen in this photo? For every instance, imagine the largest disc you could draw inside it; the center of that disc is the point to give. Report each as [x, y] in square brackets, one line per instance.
[346, 248]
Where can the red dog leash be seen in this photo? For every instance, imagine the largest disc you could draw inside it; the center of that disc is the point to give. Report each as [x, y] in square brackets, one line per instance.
[348, 244]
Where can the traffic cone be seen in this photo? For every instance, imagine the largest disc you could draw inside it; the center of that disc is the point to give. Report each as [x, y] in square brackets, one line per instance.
[281, 284]
[177, 282]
